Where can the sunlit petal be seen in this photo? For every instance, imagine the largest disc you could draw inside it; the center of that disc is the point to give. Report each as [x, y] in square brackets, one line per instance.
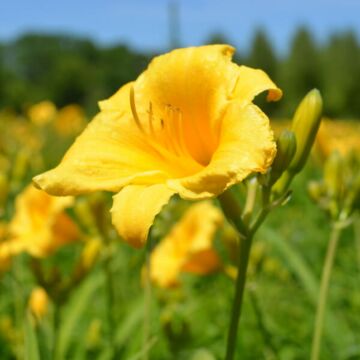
[188, 247]
[246, 146]
[110, 154]
[252, 82]
[197, 83]
[135, 208]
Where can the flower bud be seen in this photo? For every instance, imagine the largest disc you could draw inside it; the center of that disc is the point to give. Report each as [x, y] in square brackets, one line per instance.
[39, 302]
[90, 253]
[286, 148]
[88, 257]
[85, 216]
[305, 125]
[333, 175]
[316, 190]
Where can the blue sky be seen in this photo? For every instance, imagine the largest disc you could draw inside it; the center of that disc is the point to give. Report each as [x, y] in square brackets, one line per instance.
[143, 24]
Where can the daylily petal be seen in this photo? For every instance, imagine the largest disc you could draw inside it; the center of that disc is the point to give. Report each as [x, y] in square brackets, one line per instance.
[189, 246]
[202, 263]
[111, 153]
[196, 82]
[246, 146]
[206, 80]
[252, 82]
[135, 208]
[40, 226]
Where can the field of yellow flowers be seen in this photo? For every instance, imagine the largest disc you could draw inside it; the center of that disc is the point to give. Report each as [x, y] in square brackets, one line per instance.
[71, 287]
[69, 248]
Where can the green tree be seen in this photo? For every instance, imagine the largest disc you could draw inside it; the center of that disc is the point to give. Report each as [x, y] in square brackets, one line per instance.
[341, 75]
[300, 72]
[262, 55]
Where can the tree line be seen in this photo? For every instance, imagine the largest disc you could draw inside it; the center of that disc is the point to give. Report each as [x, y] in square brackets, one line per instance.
[69, 69]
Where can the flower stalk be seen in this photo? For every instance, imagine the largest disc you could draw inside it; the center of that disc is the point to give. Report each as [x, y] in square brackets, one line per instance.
[246, 234]
[273, 187]
[244, 253]
[110, 296]
[324, 289]
[147, 301]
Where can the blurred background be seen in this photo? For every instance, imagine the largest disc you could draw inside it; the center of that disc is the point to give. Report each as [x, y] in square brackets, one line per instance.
[57, 60]
[83, 51]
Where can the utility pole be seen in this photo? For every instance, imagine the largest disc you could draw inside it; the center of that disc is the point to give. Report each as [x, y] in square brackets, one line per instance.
[174, 24]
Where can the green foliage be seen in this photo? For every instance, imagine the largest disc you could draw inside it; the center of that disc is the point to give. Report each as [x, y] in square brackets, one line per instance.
[63, 69]
[301, 69]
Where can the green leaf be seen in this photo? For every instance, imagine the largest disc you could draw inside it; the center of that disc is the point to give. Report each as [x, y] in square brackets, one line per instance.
[335, 328]
[31, 343]
[74, 312]
[129, 323]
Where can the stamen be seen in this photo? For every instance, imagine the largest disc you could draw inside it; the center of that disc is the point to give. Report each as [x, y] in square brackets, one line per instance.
[150, 119]
[133, 110]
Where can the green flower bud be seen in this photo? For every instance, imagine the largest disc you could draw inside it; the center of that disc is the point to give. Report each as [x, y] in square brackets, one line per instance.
[316, 190]
[286, 148]
[305, 125]
[333, 175]
[85, 216]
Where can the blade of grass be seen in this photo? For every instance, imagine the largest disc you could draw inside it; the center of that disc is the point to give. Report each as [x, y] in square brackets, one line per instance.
[337, 330]
[31, 343]
[74, 312]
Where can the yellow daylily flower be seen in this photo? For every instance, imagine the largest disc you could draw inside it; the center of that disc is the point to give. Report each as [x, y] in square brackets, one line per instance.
[340, 135]
[70, 120]
[40, 226]
[188, 247]
[186, 126]
[5, 253]
[42, 112]
[8, 249]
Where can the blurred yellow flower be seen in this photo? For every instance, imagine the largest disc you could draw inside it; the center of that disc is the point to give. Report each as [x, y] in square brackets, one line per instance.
[39, 302]
[340, 135]
[40, 225]
[187, 125]
[188, 247]
[42, 113]
[70, 120]
[5, 253]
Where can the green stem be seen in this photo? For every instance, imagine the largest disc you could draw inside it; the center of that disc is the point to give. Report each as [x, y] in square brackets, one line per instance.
[56, 326]
[250, 200]
[110, 296]
[147, 303]
[244, 252]
[357, 238]
[324, 287]
[18, 300]
[232, 211]
[282, 184]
